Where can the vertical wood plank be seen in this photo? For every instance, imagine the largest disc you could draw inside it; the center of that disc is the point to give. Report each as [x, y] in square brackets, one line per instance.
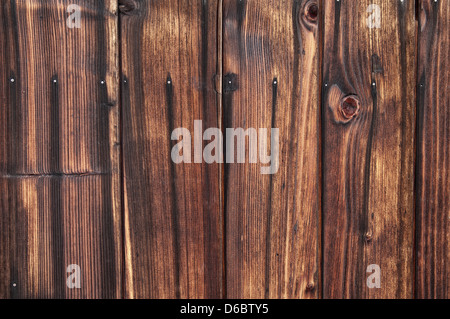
[59, 160]
[433, 152]
[173, 246]
[270, 60]
[368, 148]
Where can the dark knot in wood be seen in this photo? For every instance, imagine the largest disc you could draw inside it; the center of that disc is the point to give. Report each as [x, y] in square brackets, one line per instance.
[350, 107]
[312, 11]
[127, 6]
[309, 14]
[310, 286]
[344, 107]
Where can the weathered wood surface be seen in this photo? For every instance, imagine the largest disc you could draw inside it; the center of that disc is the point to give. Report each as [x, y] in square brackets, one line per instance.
[368, 149]
[270, 56]
[173, 226]
[59, 172]
[433, 152]
[86, 175]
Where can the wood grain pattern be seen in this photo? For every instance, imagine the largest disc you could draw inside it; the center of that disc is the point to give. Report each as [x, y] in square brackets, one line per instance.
[368, 149]
[87, 178]
[433, 152]
[59, 171]
[173, 228]
[270, 55]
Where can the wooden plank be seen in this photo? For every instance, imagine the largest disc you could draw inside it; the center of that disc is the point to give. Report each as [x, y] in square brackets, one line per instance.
[433, 152]
[59, 160]
[270, 59]
[173, 246]
[368, 150]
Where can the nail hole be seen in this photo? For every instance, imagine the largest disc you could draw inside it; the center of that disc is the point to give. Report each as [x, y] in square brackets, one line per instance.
[230, 83]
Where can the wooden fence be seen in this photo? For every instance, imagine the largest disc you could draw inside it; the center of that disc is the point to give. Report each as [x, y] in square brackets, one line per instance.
[357, 89]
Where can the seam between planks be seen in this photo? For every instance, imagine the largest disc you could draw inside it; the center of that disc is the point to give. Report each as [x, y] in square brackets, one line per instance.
[121, 161]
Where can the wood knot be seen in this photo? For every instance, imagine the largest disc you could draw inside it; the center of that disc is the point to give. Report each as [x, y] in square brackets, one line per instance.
[310, 14]
[343, 107]
[312, 11]
[310, 286]
[350, 107]
[127, 6]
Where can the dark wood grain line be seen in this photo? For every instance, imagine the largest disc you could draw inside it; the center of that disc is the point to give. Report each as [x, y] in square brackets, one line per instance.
[173, 198]
[57, 219]
[269, 212]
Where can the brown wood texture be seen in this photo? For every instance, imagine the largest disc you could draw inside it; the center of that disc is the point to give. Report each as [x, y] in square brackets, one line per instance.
[173, 223]
[59, 163]
[368, 149]
[87, 178]
[270, 59]
[433, 152]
